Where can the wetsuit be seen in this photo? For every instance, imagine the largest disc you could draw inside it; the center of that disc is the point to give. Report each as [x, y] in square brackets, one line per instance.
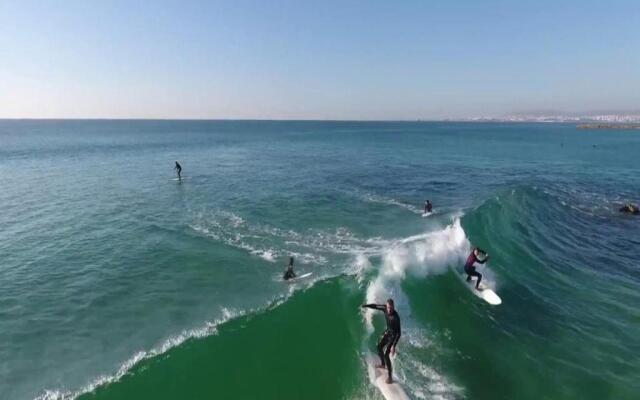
[390, 336]
[631, 209]
[470, 269]
[178, 168]
[429, 207]
[289, 274]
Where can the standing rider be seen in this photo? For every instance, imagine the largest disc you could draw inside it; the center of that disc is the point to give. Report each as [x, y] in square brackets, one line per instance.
[390, 337]
[477, 256]
[178, 169]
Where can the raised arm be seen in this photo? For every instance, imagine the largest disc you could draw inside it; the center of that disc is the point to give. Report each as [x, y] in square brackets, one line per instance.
[380, 307]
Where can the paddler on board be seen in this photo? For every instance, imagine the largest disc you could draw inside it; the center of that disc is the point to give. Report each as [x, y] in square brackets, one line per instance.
[630, 209]
[178, 169]
[428, 207]
[289, 274]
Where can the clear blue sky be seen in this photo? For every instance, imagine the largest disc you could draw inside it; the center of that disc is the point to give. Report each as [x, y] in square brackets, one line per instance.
[317, 59]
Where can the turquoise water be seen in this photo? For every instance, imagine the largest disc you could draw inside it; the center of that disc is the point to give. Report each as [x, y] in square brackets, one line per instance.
[119, 282]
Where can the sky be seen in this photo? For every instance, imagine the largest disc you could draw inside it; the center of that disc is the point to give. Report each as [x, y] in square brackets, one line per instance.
[369, 60]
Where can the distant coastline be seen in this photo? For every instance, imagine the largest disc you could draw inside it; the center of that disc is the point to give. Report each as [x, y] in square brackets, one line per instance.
[608, 126]
[606, 121]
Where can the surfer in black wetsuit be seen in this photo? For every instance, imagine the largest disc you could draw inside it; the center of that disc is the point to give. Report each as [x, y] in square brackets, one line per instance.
[473, 258]
[630, 209]
[428, 207]
[289, 274]
[390, 337]
[178, 169]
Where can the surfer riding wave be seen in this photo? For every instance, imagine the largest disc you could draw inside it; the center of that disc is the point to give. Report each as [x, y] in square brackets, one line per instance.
[477, 256]
[389, 340]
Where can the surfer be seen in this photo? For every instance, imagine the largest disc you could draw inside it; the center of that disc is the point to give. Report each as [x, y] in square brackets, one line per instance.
[428, 207]
[473, 258]
[630, 209]
[390, 337]
[178, 169]
[289, 274]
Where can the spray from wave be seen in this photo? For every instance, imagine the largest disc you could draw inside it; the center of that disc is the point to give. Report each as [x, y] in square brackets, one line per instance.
[418, 256]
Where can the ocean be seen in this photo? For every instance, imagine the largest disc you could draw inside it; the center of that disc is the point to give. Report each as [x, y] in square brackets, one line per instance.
[118, 281]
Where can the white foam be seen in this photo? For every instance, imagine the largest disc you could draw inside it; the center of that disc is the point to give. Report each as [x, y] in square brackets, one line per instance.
[359, 267]
[437, 385]
[418, 255]
[232, 230]
[417, 338]
[309, 258]
[268, 255]
[272, 243]
[375, 198]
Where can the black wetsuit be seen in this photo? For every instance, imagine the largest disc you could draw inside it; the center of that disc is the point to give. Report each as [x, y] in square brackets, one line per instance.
[390, 336]
[178, 168]
[630, 209]
[470, 269]
[289, 274]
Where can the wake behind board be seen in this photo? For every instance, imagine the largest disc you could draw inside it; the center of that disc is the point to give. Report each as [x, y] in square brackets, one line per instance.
[378, 376]
[485, 293]
[297, 278]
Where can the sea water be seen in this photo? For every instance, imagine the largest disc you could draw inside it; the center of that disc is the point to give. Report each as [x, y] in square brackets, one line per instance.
[118, 281]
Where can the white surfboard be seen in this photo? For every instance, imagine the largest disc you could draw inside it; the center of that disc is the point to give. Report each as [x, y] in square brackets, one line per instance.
[378, 376]
[485, 293]
[297, 278]
[425, 215]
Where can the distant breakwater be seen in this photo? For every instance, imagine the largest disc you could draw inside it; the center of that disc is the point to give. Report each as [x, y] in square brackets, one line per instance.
[608, 126]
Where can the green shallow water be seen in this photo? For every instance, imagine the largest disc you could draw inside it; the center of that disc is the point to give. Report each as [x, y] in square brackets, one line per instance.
[116, 281]
[291, 351]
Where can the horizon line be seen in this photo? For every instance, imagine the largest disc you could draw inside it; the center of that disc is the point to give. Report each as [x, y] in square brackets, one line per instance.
[471, 119]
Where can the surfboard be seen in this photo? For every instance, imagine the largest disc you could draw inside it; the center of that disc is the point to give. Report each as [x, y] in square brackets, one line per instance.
[425, 215]
[485, 293]
[297, 278]
[378, 376]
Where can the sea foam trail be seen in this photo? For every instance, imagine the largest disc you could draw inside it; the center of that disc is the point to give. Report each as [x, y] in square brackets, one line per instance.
[375, 198]
[419, 256]
[272, 243]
